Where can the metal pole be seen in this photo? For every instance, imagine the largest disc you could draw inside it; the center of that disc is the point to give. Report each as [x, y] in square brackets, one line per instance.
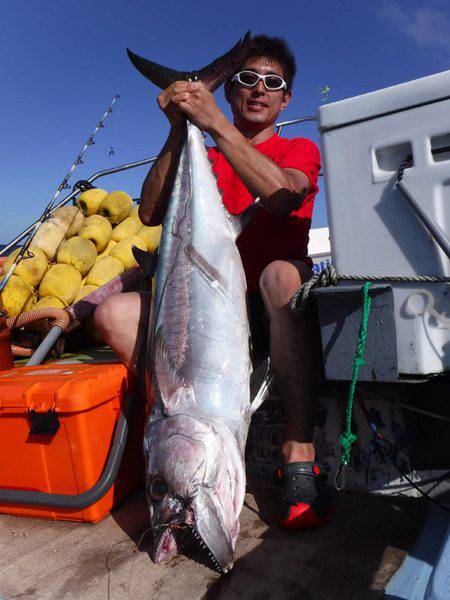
[65, 200]
[26, 231]
[433, 228]
[280, 126]
[79, 159]
[50, 206]
[145, 161]
[132, 165]
[45, 346]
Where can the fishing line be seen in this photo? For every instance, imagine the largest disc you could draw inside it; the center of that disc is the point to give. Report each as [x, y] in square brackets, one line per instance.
[114, 131]
[62, 186]
[107, 565]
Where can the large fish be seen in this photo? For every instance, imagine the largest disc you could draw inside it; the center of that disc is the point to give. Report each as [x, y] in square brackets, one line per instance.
[199, 363]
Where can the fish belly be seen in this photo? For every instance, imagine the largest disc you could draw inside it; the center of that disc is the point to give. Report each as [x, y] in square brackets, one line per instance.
[200, 292]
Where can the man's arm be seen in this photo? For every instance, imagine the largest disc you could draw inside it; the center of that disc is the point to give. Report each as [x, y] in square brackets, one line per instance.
[280, 190]
[159, 181]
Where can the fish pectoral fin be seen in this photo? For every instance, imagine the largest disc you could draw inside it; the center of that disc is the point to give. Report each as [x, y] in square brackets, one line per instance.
[205, 268]
[146, 260]
[240, 222]
[176, 394]
[261, 383]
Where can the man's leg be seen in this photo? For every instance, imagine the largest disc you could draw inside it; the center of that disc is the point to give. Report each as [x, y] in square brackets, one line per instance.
[306, 500]
[293, 355]
[122, 321]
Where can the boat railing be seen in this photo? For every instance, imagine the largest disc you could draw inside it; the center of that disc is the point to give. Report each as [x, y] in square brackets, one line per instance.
[118, 169]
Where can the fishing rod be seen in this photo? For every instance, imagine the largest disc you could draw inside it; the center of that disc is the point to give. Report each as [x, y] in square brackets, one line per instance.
[62, 186]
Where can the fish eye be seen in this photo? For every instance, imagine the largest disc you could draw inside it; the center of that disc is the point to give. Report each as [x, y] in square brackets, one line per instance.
[157, 489]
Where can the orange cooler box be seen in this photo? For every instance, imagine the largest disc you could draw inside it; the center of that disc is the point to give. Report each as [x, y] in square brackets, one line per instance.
[63, 429]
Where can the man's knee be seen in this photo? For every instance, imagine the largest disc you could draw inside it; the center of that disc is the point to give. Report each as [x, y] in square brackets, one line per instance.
[280, 280]
[111, 312]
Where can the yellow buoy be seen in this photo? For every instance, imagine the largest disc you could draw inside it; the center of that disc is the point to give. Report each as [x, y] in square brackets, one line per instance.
[129, 226]
[48, 238]
[31, 268]
[84, 291]
[17, 296]
[135, 214]
[49, 302]
[72, 216]
[104, 270]
[116, 206]
[78, 252]
[107, 250]
[123, 250]
[62, 281]
[97, 229]
[90, 200]
[62, 223]
[151, 236]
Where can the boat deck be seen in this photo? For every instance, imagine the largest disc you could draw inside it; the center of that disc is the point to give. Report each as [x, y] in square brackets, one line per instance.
[352, 557]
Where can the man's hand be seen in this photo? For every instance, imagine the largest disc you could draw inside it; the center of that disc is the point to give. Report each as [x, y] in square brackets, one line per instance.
[169, 102]
[201, 107]
[190, 99]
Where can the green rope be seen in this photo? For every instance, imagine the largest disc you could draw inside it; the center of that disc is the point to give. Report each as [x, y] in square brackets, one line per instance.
[348, 438]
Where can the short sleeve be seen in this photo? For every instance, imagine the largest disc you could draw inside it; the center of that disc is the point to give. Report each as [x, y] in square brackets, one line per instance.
[304, 155]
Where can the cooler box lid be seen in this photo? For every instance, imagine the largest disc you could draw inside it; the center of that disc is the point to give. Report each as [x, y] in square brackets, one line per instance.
[63, 388]
[385, 101]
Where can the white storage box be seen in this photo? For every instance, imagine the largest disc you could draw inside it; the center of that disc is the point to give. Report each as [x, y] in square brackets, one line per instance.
[373, 229]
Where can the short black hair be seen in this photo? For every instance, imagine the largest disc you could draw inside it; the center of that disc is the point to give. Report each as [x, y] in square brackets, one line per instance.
[277, 49]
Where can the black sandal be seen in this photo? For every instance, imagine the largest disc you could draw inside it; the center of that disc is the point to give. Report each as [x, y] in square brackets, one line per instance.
[306, 499]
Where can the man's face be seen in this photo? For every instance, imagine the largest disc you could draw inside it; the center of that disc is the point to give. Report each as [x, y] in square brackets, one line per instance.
[257, 108]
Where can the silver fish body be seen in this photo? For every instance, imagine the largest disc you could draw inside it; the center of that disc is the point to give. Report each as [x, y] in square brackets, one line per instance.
[199, 368]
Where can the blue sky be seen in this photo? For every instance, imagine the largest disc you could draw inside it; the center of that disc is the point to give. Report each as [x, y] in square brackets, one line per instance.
[62, 63]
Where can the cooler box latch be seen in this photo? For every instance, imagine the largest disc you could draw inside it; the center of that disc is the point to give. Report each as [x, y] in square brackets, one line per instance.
[44, 423]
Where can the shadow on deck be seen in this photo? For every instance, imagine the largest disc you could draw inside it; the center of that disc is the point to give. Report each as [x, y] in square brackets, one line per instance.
[352, 557]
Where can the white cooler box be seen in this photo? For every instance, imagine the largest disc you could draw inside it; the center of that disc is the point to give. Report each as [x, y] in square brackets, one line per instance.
[373, 229]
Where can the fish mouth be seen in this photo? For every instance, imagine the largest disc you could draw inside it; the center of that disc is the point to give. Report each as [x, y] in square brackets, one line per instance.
[211, 531]
[166, 546]
[177, 536]
[197, 527]
[199, 541]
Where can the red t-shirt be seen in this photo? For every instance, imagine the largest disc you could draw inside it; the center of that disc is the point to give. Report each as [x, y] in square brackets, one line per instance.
[269, 237]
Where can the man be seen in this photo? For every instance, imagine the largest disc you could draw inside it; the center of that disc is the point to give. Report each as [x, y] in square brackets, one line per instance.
[251, 161]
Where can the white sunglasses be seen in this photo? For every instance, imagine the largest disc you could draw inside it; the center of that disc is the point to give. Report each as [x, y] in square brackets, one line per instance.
[250, 79]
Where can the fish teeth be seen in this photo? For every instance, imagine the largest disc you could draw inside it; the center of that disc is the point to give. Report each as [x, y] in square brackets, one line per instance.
[203, 546]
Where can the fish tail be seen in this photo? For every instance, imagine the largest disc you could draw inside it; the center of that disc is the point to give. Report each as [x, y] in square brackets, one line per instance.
[213, 75]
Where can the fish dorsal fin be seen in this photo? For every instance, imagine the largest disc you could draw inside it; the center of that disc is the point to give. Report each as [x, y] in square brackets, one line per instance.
[240, 222]
[176, 395]
[146, 260]
[261, 382]
[212, 76]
